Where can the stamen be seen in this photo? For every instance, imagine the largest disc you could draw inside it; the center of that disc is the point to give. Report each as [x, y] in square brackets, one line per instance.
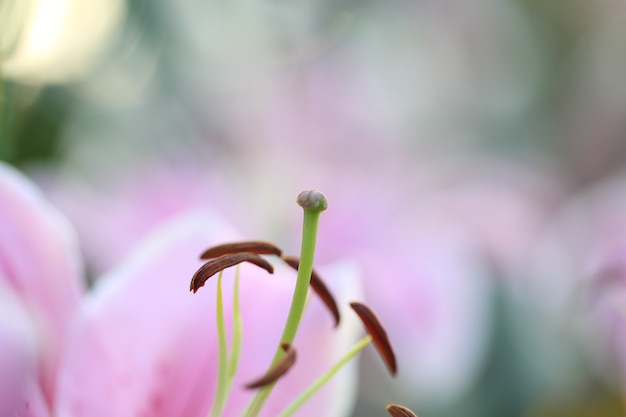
[313, 203]
[278, 370]
[378, 333]
[253, 246]
[396, 410]
[235, 343]
[222, 386]
[214, 266]
[319, 287]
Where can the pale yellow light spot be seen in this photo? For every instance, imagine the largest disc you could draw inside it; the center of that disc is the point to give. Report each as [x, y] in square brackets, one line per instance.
[46, 28]
[61, 40]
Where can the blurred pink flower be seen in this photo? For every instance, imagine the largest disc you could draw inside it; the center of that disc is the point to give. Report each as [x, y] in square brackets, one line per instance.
[578, 273]
[139, 343]
[107, 207]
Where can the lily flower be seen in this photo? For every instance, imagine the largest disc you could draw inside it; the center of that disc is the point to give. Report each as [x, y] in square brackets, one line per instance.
[138, 343]
[437, 310]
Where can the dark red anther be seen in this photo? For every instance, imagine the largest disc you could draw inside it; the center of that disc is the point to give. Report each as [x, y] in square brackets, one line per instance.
[378, 333]
[277, 371]
[214, 266]
[253, 246]
[396, 410]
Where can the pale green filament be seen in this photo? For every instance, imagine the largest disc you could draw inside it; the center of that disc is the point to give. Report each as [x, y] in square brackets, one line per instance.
[321, 381]
[227, 367]
[221, 388]
[235, 345]
[305, 268]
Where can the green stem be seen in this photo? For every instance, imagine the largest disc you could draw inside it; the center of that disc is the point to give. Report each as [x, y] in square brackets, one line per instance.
[221, 388]
[307, 252]
[7, 148]
[321, 381]
[3, 154]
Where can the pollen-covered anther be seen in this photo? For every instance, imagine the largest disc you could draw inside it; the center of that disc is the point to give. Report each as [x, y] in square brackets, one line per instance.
[252, 246]
[312, 200]
[319, 287]
[277, 371]
[214, 266]
[378, 333]
[396, 410]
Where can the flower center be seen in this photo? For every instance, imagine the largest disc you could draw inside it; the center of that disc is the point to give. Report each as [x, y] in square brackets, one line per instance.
[232, 254]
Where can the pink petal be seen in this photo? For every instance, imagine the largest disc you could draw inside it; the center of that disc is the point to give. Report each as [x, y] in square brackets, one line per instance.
[17, 352]
[39, 259]
[144, 345]
[137, 200]
[34, 403]
[433, 296]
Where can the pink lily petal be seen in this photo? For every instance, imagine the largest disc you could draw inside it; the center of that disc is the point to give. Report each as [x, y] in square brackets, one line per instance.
[39, 255]
[17, 352]
[145, 346]
[433, 296]
[577, 275]
[34, 404]
[39, 259]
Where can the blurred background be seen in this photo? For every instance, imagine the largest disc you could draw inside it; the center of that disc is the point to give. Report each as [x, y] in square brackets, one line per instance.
[473, 154]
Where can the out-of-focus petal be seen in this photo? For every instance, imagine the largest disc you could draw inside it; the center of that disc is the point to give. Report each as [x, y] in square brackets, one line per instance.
[34, 404]
[144, 345]
[433, 296]
[39, 256]
[39, 259]
[18, 346]
[577, 277]
[137, 200]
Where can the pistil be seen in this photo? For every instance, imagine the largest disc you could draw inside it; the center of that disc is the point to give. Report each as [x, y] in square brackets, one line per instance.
[313, 202]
